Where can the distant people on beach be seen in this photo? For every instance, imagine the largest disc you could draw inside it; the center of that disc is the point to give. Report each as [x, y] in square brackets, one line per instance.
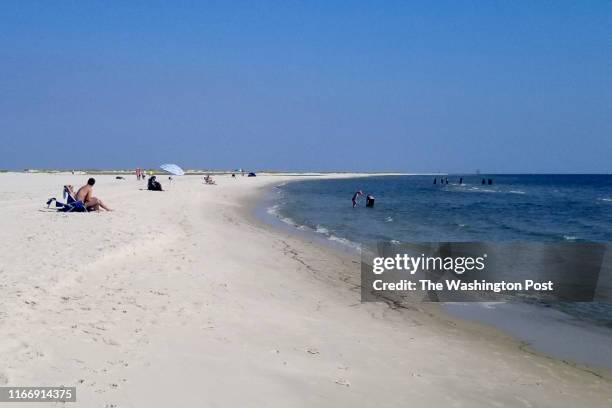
[85, 195]
[435, 180]
[209, 180]
[355, 197]
[460, 180]
[154, 185]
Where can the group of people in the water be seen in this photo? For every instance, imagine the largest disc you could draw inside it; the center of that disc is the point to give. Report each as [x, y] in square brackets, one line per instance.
[444, 180]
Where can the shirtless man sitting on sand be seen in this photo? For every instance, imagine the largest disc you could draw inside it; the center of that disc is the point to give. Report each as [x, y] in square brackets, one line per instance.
[85, 196]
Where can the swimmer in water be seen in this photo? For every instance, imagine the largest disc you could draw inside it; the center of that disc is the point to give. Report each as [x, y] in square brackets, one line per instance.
[356, 196]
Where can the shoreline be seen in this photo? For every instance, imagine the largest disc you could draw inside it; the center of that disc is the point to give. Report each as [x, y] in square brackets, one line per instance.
[551, 333]
[185, 291]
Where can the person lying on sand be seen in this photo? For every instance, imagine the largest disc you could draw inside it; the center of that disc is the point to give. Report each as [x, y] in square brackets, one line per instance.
[85, 195]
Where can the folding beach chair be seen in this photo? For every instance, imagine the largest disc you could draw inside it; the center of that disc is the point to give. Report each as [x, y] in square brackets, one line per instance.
[71, 204]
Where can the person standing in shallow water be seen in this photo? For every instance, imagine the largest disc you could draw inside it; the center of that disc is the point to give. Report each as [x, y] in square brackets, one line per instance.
[355, 197]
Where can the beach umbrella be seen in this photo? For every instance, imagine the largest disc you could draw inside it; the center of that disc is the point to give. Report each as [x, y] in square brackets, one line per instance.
[172, 169]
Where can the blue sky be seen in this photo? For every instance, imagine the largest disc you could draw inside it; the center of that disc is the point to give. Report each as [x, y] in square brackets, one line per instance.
[455, 86]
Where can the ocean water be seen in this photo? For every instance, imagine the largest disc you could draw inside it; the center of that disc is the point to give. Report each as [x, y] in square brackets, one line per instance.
[413, 209]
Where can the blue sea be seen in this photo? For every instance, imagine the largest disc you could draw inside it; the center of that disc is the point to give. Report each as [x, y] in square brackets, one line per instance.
[412, 208]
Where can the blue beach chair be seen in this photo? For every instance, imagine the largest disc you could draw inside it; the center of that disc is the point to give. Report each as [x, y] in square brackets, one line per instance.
[71, 204]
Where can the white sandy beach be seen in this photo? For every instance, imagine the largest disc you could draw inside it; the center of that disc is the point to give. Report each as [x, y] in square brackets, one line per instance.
[181, 299]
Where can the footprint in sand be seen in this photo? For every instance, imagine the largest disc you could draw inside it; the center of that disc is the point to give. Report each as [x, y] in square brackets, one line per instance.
[342, 381]
[110, 342]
